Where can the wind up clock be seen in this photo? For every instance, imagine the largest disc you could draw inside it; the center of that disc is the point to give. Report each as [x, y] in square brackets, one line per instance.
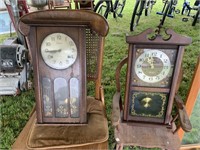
[152, 76]
[58, 55]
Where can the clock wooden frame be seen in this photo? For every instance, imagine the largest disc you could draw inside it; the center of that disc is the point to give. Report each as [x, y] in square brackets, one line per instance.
[35, 27]
[136, 92]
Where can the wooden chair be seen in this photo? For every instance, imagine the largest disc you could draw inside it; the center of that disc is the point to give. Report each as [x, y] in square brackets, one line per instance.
[94, 134]
[145, 134]
[56, 4]
[84, 4]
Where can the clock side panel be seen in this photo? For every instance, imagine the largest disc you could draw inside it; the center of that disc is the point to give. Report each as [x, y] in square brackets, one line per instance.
[32, 45]
[128, 80]
[62, 91]
[177, 76]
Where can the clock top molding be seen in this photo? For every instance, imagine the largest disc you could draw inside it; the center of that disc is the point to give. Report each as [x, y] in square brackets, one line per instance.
[172, 38]
[63, 18]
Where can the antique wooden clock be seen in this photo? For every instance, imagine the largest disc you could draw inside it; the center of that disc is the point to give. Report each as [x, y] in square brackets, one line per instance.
[58, 55]
[153, 73]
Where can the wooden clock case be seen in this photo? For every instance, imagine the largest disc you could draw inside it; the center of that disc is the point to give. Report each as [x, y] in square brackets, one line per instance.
[35, 27]
[149, 131]
[68, 135]
[142, 42]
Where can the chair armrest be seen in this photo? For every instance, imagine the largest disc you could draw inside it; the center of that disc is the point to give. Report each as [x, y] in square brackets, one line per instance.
[116, 109]
[117, 73]
[117, 101]
[183, 117]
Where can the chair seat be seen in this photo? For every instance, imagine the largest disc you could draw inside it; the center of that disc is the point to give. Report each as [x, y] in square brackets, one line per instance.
[35, 136]
[153, 136]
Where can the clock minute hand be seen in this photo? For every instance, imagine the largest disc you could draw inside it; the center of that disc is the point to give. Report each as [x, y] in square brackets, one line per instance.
[53, 50]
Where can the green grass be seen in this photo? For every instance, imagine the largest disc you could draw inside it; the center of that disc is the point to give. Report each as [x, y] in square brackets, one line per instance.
[193, 137]
[15, 110]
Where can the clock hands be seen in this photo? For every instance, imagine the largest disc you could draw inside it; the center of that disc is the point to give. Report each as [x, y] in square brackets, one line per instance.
[53, 50]
[56, 50]
[150, 60]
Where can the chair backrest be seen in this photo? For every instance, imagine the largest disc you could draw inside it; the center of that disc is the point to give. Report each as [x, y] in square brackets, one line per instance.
[54, 4]
[84, 4]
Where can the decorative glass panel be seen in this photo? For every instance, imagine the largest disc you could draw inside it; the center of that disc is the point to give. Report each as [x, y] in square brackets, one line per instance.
[61, 98]
[47, 98]
[148, 104]
[74, 97]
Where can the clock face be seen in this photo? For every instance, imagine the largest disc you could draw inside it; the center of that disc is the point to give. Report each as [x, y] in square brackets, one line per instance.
[58, 50]
[153, 67]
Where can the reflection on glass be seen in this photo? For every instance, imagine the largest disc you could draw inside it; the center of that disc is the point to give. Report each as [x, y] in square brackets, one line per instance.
[74, 97]
[61, 98]
[46, 96]
[193, 137]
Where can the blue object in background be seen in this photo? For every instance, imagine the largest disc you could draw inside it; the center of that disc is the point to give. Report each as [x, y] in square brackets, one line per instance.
[5, 23]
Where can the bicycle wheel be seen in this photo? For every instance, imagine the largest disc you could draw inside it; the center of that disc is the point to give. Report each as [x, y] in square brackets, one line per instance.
[148, 8]
[119, 7]
[166, 11]
[196, 17]
[102, 8]
[137, 12]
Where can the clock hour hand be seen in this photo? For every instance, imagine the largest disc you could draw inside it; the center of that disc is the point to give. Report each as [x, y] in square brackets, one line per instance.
[150, 60]
[53, 50]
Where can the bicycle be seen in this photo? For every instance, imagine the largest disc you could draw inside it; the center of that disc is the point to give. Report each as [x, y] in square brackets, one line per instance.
[196, 17]
[140, 5]
[169, 10]
[104, 7]
[187, 10]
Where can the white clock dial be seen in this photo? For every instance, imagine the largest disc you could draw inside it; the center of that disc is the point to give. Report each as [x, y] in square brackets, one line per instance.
[58, 50]
[152, 66]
